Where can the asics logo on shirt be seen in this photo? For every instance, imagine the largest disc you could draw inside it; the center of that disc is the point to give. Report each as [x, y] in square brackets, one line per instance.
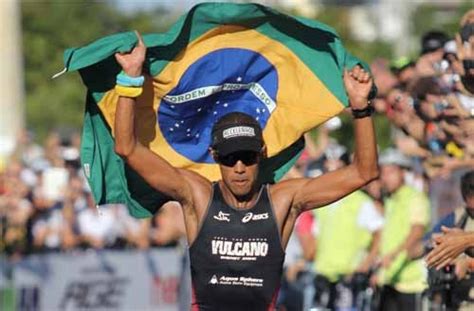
[251, 216]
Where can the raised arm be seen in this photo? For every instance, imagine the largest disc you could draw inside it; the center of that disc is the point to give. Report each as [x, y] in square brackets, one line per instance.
[449, 246]
[320, 191]
[154, 169]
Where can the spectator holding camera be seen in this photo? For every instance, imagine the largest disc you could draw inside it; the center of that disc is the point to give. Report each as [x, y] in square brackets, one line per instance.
[432, 104]
[449, 243]
[465, 51]
[432, 51]
[451, 237]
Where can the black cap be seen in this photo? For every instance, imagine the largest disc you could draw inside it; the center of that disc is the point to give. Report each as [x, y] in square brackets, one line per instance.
[466, 32]
[236, 132]
[432, 41]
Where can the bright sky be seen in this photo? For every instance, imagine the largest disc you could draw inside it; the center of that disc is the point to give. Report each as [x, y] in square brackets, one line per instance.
[140, 5]
[184, 5]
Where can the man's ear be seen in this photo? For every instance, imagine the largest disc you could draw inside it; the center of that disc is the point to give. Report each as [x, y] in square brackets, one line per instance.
[213, 154]
[263, 152]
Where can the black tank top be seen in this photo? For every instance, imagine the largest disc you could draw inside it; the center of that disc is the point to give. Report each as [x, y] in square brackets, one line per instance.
[237, 257]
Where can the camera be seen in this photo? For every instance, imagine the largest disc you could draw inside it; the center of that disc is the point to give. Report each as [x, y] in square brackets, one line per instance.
[445, 291]
[441, 279]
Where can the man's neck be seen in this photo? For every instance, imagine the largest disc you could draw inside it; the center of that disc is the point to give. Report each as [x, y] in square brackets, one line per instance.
[470, 212]
[387, 194]
[240, 202]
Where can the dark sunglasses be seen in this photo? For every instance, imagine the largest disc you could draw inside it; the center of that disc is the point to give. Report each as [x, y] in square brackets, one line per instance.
[247, 157]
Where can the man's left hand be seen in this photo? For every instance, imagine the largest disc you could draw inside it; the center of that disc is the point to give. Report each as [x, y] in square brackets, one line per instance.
[358, 84]
[447, 247]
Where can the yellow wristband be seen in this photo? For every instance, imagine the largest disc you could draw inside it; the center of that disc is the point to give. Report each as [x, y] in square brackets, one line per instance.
[128, 91]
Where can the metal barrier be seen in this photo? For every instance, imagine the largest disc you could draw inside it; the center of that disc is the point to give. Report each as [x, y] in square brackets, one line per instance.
[97, 280]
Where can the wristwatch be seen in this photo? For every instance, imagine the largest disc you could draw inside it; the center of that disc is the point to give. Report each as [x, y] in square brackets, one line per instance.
[362, 113]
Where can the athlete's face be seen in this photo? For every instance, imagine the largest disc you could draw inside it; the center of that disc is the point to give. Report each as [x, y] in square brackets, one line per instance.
[391, 177]
[239, 171]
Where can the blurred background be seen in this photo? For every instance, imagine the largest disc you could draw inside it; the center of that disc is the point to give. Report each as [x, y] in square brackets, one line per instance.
[61, 251]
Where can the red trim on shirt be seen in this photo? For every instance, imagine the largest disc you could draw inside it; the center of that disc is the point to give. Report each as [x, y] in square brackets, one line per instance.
[272, 306]
[194, 305]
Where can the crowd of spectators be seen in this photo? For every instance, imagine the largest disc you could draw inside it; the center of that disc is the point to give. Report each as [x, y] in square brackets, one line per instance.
[46, 205]
[429, 101]
[376, 238]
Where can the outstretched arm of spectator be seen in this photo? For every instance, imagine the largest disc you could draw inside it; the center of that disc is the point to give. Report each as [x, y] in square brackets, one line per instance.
[410, 123]
[316, 150]
[371, 257]
[414, 237]
[449, 246]
[409, 146]
[452, 164]
[455, 109]
[451, 129]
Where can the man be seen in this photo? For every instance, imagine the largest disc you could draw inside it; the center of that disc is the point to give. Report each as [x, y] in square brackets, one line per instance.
[407, 215]
[465, 51]
[404, 69]
[454, 241]
[348, 235]
[237, 229]
[432, 51]
[450, 239]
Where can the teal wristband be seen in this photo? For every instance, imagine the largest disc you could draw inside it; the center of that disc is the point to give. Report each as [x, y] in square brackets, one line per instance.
[125, 80]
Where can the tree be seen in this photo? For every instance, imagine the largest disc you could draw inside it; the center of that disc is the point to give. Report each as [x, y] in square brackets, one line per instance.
[49, 28]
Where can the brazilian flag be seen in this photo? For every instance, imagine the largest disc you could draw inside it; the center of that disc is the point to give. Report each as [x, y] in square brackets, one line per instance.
[218, 58]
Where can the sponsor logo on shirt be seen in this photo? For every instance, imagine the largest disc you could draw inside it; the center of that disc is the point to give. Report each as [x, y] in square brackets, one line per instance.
[237, 249]
[251, 216]
[222, 217]
[214, 280]
[236, 281]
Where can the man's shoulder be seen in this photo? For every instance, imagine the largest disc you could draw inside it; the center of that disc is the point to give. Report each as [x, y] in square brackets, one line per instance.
[409, 192]
[283, 194]
[362, 196]
[287, 186]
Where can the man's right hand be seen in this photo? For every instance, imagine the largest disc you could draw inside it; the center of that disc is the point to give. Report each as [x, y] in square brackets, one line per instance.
[132, 62]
